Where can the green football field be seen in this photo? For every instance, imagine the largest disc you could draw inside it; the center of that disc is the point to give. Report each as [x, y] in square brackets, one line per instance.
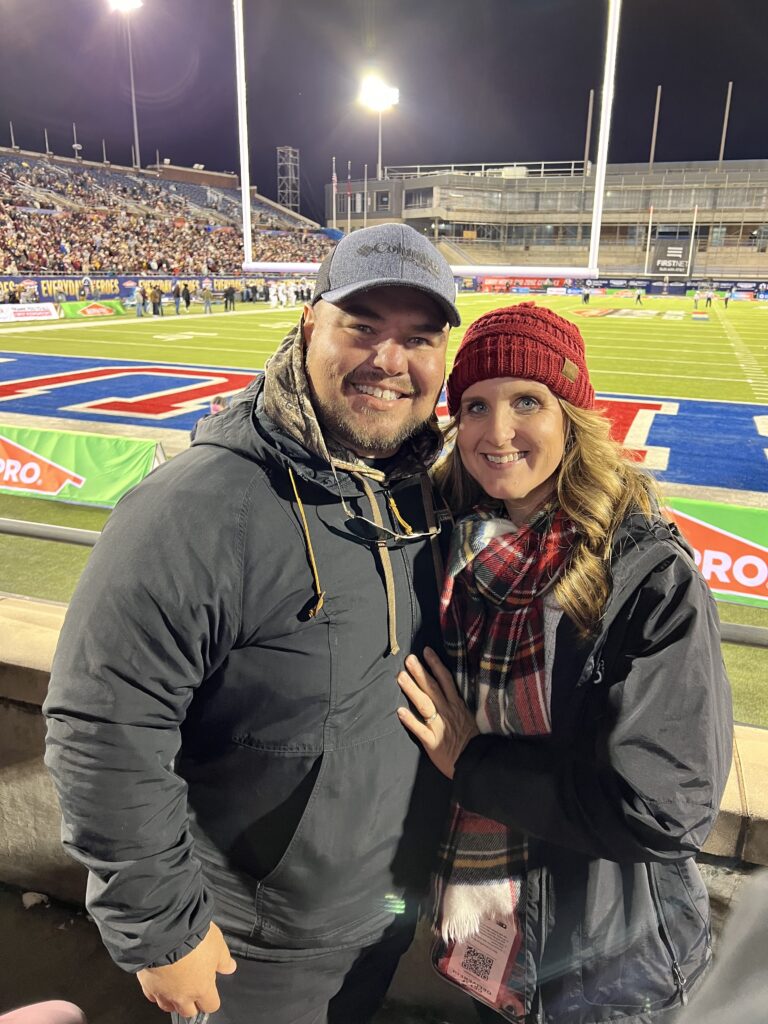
[655, 350]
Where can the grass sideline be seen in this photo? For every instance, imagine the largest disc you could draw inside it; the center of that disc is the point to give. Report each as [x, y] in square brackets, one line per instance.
[666, 355]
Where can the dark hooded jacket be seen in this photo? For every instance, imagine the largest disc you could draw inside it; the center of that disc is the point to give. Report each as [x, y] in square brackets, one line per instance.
[222, 725]
[619, 799]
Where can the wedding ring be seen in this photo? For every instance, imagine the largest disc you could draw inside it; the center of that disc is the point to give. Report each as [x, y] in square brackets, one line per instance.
[431, 718]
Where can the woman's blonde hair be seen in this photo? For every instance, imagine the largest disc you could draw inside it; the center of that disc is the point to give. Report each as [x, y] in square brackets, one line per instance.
[597, 486]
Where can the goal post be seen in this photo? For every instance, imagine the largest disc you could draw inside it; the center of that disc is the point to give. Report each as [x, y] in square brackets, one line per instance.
[613, 19]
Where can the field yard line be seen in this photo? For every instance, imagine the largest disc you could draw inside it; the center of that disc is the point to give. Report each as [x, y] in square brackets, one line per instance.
[656, 355]
[675, 398]
[672, 376]
[755, 375]
[161, 362]
[657, 359]
[660, 339]
[124, 321]
[252, 349]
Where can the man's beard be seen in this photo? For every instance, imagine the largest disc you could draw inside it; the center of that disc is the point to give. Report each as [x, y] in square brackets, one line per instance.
[361, 436]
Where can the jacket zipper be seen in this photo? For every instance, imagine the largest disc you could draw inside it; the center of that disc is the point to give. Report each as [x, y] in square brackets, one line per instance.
[544, 903]
[680, 980]
[597, 677]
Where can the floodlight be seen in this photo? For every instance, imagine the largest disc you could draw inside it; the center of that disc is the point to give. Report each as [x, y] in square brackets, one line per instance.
[377, 96]
[126, 5]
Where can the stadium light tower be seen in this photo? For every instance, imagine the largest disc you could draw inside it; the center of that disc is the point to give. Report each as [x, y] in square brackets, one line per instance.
[125, 7]
[242, 129]
[377, 96]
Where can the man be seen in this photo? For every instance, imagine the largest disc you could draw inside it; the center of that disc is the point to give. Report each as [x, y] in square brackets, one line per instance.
[222, 711]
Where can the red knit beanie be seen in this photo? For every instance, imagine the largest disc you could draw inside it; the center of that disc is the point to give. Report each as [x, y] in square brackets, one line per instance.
[525, 341]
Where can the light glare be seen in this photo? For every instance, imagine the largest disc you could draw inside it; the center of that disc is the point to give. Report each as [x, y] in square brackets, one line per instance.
[376, 95]
[126, 5]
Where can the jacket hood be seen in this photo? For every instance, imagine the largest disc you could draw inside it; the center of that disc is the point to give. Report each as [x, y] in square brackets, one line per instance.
[640, 546]
[274, 419]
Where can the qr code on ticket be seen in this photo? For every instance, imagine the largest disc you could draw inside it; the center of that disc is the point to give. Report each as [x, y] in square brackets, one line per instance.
[477, 963]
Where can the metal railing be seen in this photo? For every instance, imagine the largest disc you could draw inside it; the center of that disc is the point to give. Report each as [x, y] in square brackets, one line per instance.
[731, 633]
[48, 531]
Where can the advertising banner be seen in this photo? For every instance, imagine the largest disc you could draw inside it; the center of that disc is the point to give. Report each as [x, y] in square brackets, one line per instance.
[122, 286]
[671, 257]
[79, 468]
[730, 545]
[20, 312]
[668, 288]
[91, 310]
[514, 284]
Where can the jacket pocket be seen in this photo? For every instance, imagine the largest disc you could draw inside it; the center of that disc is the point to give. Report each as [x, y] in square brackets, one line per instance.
[682, 890]
[627, 958]
[336, 880]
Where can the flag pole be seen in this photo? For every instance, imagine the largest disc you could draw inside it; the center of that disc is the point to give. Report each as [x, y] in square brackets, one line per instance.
[349, 197]
[334, 190]
[365, 196]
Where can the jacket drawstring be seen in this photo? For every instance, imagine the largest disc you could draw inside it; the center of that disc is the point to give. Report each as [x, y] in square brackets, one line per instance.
[310, 553]
[386, 566]
[396, 513]
[380, 547]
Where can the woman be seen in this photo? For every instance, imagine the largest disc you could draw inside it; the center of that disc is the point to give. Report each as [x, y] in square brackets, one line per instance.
[589, 739]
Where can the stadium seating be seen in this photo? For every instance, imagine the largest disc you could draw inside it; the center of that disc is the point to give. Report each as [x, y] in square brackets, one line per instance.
[63, 218]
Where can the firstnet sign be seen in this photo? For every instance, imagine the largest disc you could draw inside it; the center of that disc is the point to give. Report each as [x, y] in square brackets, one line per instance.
[671, 258]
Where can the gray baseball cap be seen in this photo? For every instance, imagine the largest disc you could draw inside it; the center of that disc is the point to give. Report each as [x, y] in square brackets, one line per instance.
[387, 255]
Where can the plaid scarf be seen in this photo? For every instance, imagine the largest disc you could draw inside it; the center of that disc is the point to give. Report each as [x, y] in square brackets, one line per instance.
[492, 616]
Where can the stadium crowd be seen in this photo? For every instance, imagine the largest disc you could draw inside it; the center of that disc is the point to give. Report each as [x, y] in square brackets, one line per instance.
[110, 234]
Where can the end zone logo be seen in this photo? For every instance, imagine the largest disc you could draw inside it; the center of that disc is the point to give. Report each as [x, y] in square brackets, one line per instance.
[24, 470]
[96, 309]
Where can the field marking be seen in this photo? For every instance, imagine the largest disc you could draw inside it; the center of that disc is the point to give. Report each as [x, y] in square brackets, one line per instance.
[640, 359]
[664, 339]
[186, 336]
[59, 325]
[675, 398]
[755, 376]
[675, 376]
[761, 422]
[161, 362]
[717, 352]
[253, 349]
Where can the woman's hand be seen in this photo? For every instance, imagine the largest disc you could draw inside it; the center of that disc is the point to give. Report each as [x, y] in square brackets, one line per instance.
[446, 724]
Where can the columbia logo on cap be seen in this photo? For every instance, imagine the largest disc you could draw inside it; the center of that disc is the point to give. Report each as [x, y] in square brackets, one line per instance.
[404, 252]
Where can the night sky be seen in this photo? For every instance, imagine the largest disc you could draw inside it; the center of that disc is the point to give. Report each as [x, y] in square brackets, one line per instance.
[479, 80]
